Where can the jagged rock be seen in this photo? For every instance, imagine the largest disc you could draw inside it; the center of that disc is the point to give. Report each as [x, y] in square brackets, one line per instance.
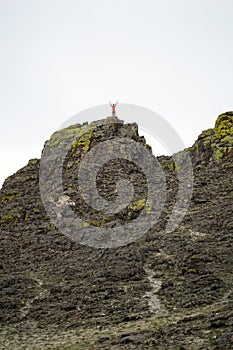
[59, 293]
[217, 143]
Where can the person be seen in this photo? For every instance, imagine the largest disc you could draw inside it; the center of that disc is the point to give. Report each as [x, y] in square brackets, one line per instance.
[113, 105]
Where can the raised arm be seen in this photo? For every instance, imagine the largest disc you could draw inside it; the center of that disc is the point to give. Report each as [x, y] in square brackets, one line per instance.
[116, 103]
[110, 103]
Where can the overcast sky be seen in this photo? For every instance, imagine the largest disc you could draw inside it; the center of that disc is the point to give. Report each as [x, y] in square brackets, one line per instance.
[59, 57]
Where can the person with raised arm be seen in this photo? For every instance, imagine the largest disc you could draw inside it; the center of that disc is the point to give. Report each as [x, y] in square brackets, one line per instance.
[113, 105]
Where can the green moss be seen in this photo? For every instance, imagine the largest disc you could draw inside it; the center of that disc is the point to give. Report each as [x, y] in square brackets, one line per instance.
[206, 136]
[27, 178]
[228, 139]
[65, 135]
[190, 270]
[220, 139]
[170, 166]
[62, 135]
[207, 141]
[9, 219]
[138, 205]
[82, 143]
[95, 223]
[33, 161]
[223, 135]
[52, 227]
[224, 125]
[8, 197]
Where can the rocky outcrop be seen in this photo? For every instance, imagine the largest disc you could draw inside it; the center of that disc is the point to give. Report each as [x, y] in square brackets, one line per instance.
[162, 291]
[215, 144]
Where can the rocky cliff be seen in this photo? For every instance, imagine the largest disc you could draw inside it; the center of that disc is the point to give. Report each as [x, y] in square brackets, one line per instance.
[161, 291]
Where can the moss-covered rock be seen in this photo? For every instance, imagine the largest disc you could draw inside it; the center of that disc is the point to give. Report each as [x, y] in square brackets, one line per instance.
[215, 144]
[165, 290]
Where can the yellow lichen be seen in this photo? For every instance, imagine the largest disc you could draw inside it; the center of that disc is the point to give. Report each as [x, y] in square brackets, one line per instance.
[95, 223]
[7, 197]
[138, 205]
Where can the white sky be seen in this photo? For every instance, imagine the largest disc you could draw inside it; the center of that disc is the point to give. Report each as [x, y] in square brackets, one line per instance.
[59, 57]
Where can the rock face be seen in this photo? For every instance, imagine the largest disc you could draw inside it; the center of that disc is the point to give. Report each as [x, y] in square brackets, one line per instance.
[217, 143]
[162, 291]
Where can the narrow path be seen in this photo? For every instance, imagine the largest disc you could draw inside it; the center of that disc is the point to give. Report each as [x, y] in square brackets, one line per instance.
[28, 305]
[154, 302]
